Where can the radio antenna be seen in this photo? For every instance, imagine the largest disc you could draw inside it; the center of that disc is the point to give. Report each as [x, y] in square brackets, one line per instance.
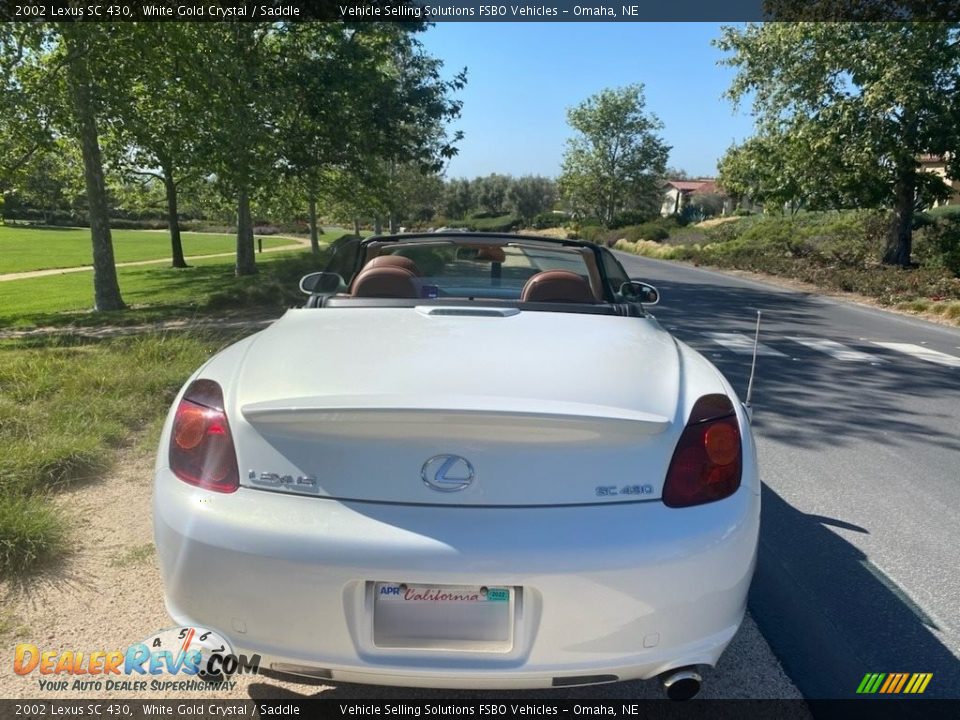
[753, 364]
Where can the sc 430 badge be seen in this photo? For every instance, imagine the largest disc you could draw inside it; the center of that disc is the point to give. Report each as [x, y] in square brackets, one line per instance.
[635, 490]
[276, 479]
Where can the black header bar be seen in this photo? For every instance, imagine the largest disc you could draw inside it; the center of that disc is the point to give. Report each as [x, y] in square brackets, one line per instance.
[473, 11]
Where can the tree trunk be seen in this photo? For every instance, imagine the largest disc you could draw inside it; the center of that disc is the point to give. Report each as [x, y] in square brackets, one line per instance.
[394, 224]
[356, 226]
[900, 244]
[246, 260]
[314, 237]
[173, 217]
[106, 289]
[377, 225]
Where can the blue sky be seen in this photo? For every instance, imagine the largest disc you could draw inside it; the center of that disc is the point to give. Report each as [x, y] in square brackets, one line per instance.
[523, 76]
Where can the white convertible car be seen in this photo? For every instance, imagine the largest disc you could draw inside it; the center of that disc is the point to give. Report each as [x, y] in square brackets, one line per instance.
[471, 461]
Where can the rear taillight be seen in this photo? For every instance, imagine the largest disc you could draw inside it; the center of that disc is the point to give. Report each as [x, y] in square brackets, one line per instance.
[201, 446]
[707, 463]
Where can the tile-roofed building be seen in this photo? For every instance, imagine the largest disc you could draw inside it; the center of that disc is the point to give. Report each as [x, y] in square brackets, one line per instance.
[678, 192]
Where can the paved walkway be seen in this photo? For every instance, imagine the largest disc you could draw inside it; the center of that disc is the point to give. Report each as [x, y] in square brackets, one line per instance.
[298, 242]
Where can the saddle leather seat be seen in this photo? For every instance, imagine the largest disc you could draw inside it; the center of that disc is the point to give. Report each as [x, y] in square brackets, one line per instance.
[557, 286]
[385, 282]
[393, 261]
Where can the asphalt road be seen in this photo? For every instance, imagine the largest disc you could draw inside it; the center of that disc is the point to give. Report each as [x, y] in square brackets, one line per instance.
[859, 449]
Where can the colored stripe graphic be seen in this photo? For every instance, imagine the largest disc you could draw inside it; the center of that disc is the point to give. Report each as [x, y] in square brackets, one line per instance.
[894, 683]
[903, 680]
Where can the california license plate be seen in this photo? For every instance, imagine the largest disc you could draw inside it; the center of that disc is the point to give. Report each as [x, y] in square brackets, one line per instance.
[475, 618]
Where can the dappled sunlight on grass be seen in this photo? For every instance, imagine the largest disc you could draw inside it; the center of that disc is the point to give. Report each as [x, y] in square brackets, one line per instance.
[158, 292]
[31, 248]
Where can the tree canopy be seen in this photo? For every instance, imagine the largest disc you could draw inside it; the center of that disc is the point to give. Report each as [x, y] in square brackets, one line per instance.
[850, 107]
[616, 160]
[257, 113]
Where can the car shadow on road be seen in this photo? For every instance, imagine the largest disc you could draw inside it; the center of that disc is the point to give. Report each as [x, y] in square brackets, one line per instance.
[883, 631]
[830, 614]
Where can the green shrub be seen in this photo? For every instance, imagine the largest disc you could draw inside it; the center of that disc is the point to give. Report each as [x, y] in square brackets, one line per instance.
[630, 217]
[943, 211]
[724, 232]
[549, 220]
[593, 233]
[488, 223]
[646, 231]
[938, 245]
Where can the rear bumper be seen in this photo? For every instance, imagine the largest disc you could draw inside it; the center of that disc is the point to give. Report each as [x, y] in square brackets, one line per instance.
[626, 590]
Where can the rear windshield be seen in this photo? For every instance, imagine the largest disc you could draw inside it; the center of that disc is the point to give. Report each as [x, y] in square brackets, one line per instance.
[486, 271]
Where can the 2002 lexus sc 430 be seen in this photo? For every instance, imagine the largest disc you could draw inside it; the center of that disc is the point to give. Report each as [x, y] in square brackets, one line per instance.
[470, 461]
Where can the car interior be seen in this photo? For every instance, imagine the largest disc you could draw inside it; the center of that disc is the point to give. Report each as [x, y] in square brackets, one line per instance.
[552, 275]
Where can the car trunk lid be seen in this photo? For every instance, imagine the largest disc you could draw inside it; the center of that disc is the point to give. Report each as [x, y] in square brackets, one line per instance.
[399, 405]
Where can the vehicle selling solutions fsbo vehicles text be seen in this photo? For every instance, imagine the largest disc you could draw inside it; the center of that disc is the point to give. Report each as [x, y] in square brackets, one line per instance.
[429, 709]
[426, 11]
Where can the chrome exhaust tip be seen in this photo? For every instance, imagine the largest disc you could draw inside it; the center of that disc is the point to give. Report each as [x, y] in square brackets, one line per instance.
[681, 683]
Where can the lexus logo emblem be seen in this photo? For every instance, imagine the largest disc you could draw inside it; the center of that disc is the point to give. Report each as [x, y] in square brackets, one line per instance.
[447, 473]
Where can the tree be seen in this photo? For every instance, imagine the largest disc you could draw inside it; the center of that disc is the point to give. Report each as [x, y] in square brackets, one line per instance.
[616, 160]
[458, 198]
[491, 192]
[802, 168]
[411, 194]
[411, 108]
[82, 44]
[53, 83]
[531, 195]
[156, 108]
[244, 93]
[672, 173]
[702, 206]
[50, 182]
[770, 170]
[365, 103]
[870, 98]
[327, 65]
[25, 114]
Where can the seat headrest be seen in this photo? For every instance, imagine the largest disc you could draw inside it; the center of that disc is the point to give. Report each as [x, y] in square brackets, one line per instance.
[385, 282]
[393, 261]
[557, 286]
[491, 253]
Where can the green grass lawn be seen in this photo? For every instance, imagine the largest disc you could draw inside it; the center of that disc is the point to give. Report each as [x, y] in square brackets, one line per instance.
[68, 403]
[160, 292]
[156, 292]
[40, 248]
